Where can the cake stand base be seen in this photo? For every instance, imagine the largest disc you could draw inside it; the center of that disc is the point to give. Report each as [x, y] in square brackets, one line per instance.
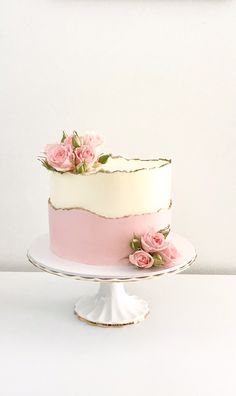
[111, 306]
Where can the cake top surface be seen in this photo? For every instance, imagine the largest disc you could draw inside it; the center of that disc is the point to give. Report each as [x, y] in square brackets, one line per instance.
[121, 164]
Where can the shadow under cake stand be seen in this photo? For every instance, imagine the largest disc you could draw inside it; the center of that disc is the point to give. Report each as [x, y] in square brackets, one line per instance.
[111, 305]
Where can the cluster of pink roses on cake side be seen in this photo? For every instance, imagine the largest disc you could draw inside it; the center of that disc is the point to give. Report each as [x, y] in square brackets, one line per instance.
[152, 249]
[76, 154]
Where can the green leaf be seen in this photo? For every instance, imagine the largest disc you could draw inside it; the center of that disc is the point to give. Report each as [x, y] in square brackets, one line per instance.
[46, 164]
[165, 231]
[158, 261]
[80, 168]
[157, 256]
[135, 244]
[103, 158]
[75, 142]
[64, 136]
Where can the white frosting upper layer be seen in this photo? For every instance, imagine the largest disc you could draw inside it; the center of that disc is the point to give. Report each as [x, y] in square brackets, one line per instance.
[123, 187]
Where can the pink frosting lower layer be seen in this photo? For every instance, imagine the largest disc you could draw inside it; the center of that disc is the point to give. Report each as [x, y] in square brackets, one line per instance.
[79, 235]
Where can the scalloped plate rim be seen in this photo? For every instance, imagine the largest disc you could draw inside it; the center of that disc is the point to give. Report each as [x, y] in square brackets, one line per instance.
[88, 271]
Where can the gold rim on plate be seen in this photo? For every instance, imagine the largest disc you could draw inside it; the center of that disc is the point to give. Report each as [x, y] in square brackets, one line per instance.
[111, 279]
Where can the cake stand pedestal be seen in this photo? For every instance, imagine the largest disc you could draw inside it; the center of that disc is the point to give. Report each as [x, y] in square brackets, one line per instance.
[111, 305]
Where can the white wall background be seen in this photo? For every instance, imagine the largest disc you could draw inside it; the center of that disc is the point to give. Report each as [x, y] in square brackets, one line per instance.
[157, 78]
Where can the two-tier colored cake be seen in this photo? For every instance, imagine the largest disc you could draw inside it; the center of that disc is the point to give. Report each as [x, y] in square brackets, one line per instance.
[106, 210]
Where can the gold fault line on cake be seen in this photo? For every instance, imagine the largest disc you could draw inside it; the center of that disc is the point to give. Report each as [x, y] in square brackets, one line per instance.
[107, 217]
[167, 162]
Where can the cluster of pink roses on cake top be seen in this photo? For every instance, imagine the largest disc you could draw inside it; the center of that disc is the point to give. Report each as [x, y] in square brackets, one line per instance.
[76, 154]
[152, 249]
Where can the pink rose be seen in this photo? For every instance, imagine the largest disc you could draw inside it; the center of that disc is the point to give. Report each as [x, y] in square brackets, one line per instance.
[93, 139]
[49, 147]
[153, 241]
[68, 141]
[141, 259]
[85, 154]
[60, 157]
[169, 254]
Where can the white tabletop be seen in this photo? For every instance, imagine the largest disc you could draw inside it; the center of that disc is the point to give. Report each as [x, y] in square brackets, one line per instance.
[187, 346]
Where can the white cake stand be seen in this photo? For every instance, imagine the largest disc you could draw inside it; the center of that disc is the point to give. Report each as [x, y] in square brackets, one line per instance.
[111, 305]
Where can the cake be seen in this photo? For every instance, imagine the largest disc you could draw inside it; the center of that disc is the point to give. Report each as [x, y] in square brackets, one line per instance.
[108, 210]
